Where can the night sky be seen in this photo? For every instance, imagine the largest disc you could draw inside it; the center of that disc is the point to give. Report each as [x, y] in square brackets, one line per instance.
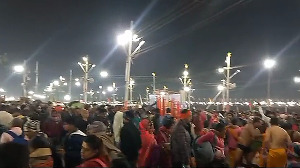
[57, 33]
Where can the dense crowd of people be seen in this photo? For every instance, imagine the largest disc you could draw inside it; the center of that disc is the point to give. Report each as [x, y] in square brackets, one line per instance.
[39, 134]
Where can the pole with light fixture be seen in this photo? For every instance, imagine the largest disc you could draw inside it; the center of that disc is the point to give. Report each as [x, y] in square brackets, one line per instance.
[226, 85]
[154, 83]
[21, 69]
[86, 66]
[187, 83]
[269, 65]
[297, 80]
[128, 38]
[131, 84]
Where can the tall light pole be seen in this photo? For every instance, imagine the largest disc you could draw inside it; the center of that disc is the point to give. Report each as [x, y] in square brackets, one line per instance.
[154, 83]
[86, 67]
[131, 84]
[147, 94]
[297, 79]
[127, 40]
[186, 81]
[226, 83]
[269, 65]
[228, 75]
[21, 69]
[36, 77]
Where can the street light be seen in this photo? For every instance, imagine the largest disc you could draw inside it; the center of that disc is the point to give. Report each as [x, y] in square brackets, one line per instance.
[297, 79]
[22, 69]
[19, 68]
[104, 74]
[131, 84]
[187, 89]
[110, 88]
[154, 83]
[221, 70]
[86, 67]
[56, 83]
[2, 90]
[220, 87]
[85, 59]
[186, 81]
[77, 84]
[269, 64]
[67, 97]
[185, 73]
[128, 37]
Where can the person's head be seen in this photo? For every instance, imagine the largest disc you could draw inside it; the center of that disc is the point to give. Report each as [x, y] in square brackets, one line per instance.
[145, 124]
[17, 122]
[287, 126]
[31, 128]
[55, 116]
[92, 147]
[168, 110]
[186, 115]
[40, 141]
[70, 124]
[102, 112]
[128, 116]
[220, 130]
[96, 127]
[168, 121]
[234, 121]
[257, 122]
[274, 121]
[14, 155]
[229, 116]
[84, 113]
[263, 128]
[118, 108]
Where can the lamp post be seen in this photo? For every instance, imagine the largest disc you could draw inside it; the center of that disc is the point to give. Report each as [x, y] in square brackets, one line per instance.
[86, 67]
[227, 76]
[297, 79]
[269, 65]
[226, 82]
[127, 39]
[154, 83]
[131, 84]
[147, 94]
[187, 83]
[21, 69]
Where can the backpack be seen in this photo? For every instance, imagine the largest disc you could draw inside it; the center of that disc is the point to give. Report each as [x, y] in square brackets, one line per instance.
[18, 139]
[205, 152]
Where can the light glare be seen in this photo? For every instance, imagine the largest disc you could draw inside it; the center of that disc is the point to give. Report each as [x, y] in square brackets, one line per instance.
[297, 79]
[220, 87]
[269, 63]
[19, 68]
[103, 74]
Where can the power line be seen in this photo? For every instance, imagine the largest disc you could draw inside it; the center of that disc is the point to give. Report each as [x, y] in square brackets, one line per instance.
[190, 29]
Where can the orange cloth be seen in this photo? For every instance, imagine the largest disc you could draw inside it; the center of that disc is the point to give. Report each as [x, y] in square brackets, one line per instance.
[148, 142]
[232, 156]
[185, 115]
[262, 160]
[277, 158]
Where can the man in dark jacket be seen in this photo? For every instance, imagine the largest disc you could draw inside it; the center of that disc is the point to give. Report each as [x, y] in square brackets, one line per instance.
[73, 143]
[130, 138]
[181, 141]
